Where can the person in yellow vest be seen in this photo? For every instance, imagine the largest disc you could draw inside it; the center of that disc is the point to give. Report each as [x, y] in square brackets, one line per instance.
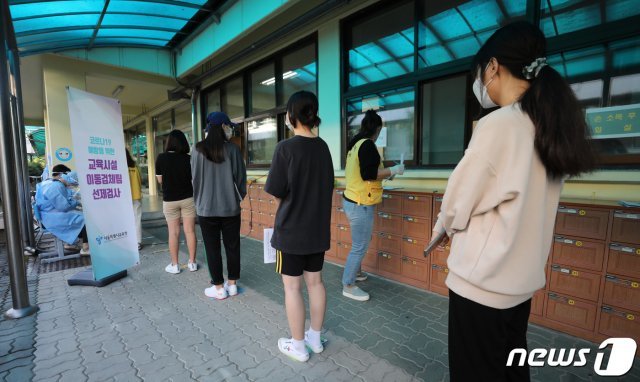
[364, 174]
[136, 194]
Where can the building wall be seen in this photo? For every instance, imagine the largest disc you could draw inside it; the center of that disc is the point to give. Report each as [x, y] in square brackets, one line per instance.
[60, 72]
[600, 185]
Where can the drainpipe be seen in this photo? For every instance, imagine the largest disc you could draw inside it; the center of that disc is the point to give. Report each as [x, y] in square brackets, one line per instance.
[21, 155]
[195, 131]
[8, 177]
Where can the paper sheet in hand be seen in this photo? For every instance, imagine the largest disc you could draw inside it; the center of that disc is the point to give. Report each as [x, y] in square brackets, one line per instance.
[434, 243]
[269, 251]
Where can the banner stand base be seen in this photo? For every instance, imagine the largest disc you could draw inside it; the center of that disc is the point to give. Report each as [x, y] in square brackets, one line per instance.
[85, 278]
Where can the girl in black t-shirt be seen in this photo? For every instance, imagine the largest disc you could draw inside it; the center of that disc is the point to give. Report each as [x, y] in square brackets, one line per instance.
[301, 178]
[173, 172]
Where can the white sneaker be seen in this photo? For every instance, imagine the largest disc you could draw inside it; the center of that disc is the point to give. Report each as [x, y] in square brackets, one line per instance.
[232, 290]
[218, 294]
[316, 348]
[172, 268]
[85, 252]
[192, 266]
[287, 348]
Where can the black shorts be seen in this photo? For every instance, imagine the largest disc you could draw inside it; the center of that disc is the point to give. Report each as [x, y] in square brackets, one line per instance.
[295, 265]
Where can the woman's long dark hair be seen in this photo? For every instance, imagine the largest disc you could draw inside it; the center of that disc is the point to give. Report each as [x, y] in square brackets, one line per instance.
[177, 142]
[562, 138]
[212, 147]
[368, 128]
[130, 162]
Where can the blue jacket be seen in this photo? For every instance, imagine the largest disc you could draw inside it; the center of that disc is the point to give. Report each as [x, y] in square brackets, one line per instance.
[57, 210]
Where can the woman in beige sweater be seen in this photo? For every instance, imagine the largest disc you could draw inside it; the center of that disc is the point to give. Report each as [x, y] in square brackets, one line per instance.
[500, 204]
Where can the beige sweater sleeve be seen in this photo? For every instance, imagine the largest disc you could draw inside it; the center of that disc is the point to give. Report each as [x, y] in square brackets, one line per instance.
[482, 180]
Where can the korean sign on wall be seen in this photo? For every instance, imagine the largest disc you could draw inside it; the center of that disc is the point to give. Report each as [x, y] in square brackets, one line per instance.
[614, 121]
[98, 145]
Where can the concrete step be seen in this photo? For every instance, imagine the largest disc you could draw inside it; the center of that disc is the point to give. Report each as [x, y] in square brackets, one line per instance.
[154, 215]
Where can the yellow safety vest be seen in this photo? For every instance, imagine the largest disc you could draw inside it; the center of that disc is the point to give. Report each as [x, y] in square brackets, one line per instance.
[136, 183]
[365, 192]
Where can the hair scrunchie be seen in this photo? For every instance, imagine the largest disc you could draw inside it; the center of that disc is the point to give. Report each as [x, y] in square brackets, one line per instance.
[531, 71]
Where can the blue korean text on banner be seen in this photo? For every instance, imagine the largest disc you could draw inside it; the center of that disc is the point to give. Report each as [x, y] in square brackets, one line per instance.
[98, 146]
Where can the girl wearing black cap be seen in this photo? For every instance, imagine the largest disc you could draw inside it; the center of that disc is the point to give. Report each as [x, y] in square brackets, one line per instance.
[219, 185]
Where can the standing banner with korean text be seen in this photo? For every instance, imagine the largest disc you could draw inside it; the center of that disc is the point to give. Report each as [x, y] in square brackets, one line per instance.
[98, 146]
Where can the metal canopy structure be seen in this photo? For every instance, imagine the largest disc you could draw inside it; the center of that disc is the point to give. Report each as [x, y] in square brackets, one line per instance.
[56, 25]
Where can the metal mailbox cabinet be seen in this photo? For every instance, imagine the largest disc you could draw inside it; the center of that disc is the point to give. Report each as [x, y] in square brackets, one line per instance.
[615, 322]
[420, 228]
[570, 311]
[582, 222]
[593, 274]
[417, 205]
[537, 303]
[578, 253]
[620, 292]
[573, 282]
[413, 248]
[436, 281]
[391, 203]
[389, 263]
[626, 227]
[624, 260]
[389, 223]
[416, 272]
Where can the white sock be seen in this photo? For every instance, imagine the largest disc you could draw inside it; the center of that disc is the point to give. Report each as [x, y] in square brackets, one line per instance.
[313, 336]
[299, 345]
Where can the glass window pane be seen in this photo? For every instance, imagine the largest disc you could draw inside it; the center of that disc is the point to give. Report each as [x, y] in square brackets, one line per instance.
[589, 93]
[233, 98]
[398, 116]
[213, 101]
[136, 140]
[443, 121]
[183, 121]
[612, 114]
[382, 46]
[262, 140]
[263, 89]
[564, 16]
[299, 71]
[453, 29]
[579, 63]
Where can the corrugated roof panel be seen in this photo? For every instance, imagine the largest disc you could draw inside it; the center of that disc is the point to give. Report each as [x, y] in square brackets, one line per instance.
[142, 21]
[39, 8]
[69, 23]
[151, 8]
[44, 23]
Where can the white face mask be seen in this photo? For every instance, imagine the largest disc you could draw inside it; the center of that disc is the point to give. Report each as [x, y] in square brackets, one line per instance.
[288, 123]
[480, 91]
[227, 132]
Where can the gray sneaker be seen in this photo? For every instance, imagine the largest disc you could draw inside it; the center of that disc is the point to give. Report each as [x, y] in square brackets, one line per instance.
[355, 293]
[361, 276]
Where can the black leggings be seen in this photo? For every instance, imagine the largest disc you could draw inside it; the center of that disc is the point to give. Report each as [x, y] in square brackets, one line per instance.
[211, 227]
[481, 338]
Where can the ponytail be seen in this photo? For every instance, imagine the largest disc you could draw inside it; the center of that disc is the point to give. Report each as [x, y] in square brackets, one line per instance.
[562, 138]
[368, 128]
[562, 135]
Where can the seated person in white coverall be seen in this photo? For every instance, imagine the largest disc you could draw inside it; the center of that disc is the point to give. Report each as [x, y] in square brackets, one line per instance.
[58, 209]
